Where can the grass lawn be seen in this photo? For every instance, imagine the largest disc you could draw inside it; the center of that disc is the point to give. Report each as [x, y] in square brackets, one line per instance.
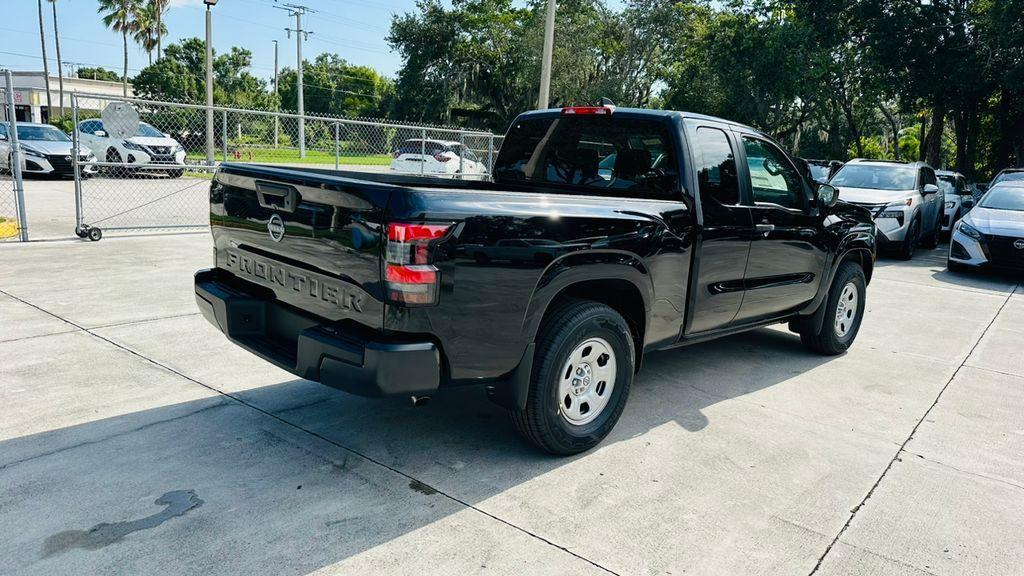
[291, 156]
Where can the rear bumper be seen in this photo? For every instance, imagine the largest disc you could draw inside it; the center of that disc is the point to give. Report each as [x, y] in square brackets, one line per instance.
[312, 348]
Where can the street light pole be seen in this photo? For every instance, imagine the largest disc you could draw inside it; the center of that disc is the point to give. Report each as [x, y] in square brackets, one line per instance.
[545, 65]
[209, 81]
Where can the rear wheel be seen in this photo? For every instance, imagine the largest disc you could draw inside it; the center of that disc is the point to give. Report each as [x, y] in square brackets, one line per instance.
[582, 373]
[843, 313]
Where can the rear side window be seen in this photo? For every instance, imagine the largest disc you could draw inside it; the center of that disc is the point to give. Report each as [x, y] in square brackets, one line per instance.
[419, 147]
[928, 176]
[613, 155]
[716, 167]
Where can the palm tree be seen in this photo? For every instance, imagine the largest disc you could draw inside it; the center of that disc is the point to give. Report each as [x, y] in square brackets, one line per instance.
[160, 7]
[120, 16]
[46, 65]
[147, 30]
[60, 69]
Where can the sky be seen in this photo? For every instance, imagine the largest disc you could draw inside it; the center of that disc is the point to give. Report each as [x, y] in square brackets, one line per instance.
[354, 29]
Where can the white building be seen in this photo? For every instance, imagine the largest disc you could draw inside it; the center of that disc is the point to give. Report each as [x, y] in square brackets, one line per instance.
[30, 95]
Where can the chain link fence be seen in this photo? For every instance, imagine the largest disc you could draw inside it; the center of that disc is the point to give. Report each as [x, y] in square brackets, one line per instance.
[159, 178]
[13, 226]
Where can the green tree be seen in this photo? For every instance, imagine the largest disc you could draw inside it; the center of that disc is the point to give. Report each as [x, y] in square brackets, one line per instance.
[60, 71]
[121, 16]
[335, 87]
[149, 28]
[99, 73]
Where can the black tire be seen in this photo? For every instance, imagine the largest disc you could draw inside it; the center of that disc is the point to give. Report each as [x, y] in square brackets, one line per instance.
[827, 340]
[80, 232]
[906, 250]
[932, 240]
[562, 332]
[175, 173]
[95, 234]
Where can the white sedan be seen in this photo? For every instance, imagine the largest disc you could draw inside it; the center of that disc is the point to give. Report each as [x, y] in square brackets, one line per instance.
[149, 146]
[436, 157]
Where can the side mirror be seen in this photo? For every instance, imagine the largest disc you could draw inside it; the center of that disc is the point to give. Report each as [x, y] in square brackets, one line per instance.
[100, 133]
[827, 195]
[930, 189]
[3, 137]
[166, 135]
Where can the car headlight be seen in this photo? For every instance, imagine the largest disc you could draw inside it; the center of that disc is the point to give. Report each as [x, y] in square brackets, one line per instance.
[31, 152]
[969, 230]
[950, 204]
[179, 148]
[133, 146]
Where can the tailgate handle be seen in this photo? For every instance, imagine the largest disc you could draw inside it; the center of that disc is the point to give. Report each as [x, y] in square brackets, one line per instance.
[277, 196]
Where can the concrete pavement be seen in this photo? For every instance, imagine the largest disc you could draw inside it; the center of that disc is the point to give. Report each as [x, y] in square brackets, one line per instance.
[136, 439]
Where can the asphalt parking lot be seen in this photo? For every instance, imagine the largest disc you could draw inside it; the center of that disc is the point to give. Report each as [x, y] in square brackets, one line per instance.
[136, 439]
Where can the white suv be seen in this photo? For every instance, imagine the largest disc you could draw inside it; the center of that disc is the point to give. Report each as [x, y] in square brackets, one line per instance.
[959, 197]
[436, 157]
[148, 146]
[904, 199]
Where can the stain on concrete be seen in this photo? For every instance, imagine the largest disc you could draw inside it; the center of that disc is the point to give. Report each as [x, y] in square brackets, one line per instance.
[176, 503]
[421, 488]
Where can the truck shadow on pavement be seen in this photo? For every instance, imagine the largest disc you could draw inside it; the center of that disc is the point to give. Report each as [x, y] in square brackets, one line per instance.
[293, 477]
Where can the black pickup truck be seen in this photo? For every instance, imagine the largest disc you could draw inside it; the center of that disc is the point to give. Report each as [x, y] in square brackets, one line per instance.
[603, 234]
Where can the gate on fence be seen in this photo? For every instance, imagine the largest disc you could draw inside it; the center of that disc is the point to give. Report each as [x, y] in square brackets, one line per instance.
[158, 177]
[13, 226]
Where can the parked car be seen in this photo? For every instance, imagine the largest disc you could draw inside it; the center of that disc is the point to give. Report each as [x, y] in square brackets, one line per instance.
[905, 200]
[992, 234]
[363, 281]
[823, 170]
[1008, 174]
[45, 150]
[436, 157]
[959, 197]
[148, 147]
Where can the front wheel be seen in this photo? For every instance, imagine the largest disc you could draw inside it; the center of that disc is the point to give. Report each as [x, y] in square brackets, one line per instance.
[582, 373]
[906, 251]
[843, 313]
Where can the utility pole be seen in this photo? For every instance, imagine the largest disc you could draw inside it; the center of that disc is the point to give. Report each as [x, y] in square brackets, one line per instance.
[545, 65]
[277, 120]
[297, 11]
[209, 81]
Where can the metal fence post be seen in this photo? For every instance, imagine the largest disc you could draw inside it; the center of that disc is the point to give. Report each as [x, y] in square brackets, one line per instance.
[490, 154]
[19, 185]
[224, 131]
[462, 151]
[423, 148]
[337, 149]
[75, 145]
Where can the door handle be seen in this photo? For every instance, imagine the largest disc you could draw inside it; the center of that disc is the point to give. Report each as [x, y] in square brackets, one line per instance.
[764, 229]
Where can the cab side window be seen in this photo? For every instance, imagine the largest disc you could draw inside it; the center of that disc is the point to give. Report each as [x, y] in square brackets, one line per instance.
[716, 167]
[773, 180]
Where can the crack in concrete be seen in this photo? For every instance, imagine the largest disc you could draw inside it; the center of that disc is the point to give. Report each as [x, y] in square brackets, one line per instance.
[902, 448]
[968, 472]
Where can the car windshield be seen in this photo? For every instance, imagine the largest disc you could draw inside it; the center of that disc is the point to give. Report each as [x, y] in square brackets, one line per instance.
[148, 131]
[42, 134]
[875, 176]
[1004, 198]
[947, 184]
[818, 172]
[1004, 177]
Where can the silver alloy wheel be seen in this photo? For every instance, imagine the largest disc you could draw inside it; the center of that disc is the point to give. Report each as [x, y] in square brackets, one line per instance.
[846, 309]
[586, 381]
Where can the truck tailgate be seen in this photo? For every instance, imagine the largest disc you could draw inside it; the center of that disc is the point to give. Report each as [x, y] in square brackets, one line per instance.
[311, 238]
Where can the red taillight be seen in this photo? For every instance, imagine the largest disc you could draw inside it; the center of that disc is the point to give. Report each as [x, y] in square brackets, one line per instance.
[442, 157]
[588, 110]
[410, 277]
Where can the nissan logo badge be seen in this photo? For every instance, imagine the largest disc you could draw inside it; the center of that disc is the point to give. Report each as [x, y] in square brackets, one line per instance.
[1019, 244]
[276, 228]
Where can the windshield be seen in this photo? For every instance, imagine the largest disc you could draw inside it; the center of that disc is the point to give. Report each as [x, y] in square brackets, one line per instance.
[42, 134]
[818, 172]
[1004, 198]
[875, 176]
[149, 131]
[1004, 177]
[626, 156]
[948, 185]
